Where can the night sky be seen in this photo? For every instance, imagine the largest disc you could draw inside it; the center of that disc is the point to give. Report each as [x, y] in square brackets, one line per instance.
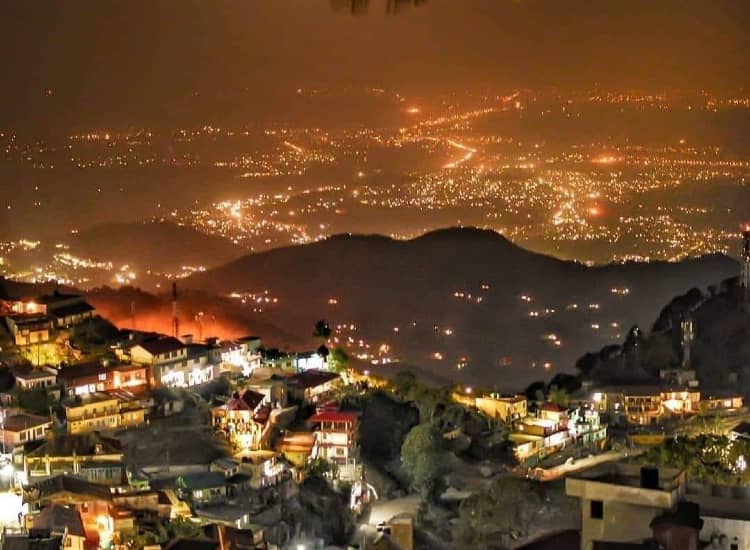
[130, 59]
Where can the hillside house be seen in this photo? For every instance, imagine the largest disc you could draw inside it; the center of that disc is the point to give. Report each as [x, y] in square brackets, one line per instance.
[97, 458]
[21, 428]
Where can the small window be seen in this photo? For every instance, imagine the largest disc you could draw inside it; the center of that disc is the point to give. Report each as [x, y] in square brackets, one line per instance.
[597, 509]
[734, 546]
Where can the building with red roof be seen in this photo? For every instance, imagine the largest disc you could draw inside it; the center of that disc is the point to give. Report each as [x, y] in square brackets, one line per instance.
[336, 440]
[242, 419]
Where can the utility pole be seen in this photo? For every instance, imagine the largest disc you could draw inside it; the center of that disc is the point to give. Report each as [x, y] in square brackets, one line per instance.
[745, 273]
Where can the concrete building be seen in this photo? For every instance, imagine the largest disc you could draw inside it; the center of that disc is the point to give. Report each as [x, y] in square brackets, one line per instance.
[312, 386]
[243, 354]
[337, 440]
[33, 378]
[174, 363]
[272, 387]
[66, 310]
[725, 512]
[628, 504]
[242, 419]
[22, 428]
[648, 405]
[619, 501]
[98, 376]
[102, 412]
[505, 408]
[97, 458]
[63, 521]
[537, 438]
[29, 329]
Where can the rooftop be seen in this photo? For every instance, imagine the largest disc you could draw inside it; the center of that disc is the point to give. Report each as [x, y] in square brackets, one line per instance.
[24, 421]
[58, 518]
[57, 296]
[334, 416]
[71, 485]
[629, 475]
[92, 368]
[88, 399]
[248, 400]
[311, 378]
[29, 373]
[86, 444]
[505, 398]
[73, 309]
[162, 345]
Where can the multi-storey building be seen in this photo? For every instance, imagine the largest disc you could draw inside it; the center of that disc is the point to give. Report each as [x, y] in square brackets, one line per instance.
[619, 501]
[505, 408]
[336, 440]
[97, 458]
[32, 378]
[651, 404]
[242, 419]
[97, 376]
[630, 505]
[102, 412]
[29, 329]
[174, 363]
[21, 428]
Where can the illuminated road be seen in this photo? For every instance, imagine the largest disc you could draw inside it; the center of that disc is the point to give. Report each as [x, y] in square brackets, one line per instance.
[469, 153]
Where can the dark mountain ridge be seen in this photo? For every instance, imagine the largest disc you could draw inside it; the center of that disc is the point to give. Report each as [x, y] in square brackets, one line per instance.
[380, 284]
[159, 245]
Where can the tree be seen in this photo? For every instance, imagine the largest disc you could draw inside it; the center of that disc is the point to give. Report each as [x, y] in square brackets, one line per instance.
[36, 401]
[535, 391]
[707, 458]
[7, 380]
[322, 330]
[338, 360]
[184, 528]
[500, 514]
[567, 382]
[320, 467]
[422, 458]
[559, 397]
[404, 381]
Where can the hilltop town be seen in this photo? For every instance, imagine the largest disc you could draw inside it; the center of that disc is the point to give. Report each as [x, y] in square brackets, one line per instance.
[120, 438]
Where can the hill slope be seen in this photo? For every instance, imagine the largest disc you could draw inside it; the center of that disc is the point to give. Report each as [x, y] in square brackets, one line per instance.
[462, 293]
[160, 246]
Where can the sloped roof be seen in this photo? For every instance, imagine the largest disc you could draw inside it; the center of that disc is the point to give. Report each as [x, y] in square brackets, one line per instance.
[311, 378]
[246, 401]
[72, 309]
[159, 346]
[57, 518]
[92, 368]
[71, 484]
[24, 421]
[334, 416]
[57, 296]
[64, 445]
[27, 542]
[201, 480]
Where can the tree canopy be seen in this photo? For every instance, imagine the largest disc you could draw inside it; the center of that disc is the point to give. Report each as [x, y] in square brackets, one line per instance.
[708, 458]
[322, 329]
[422, 458]
[338, 360]
[498, 515]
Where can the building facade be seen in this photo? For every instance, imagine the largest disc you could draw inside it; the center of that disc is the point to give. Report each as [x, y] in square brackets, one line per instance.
[102, 412]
